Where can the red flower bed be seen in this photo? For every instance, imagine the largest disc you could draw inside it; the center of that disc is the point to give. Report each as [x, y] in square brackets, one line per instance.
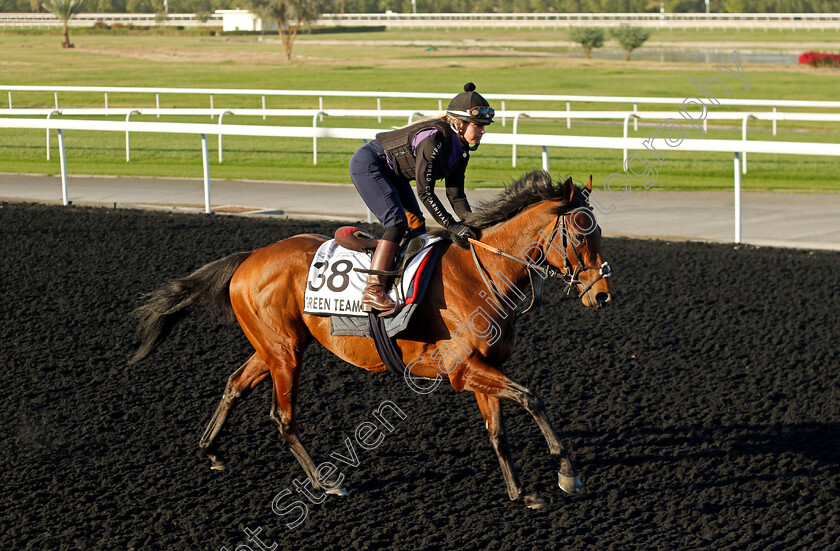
[819, 59]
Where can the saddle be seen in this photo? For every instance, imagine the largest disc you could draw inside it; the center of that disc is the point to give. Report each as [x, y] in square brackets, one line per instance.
[357, 239]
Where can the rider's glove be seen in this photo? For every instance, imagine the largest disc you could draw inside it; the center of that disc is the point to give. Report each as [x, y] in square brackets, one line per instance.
[462, 230]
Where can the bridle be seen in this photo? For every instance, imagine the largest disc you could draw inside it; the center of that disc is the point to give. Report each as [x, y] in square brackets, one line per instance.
[571, 274]
[568, 273]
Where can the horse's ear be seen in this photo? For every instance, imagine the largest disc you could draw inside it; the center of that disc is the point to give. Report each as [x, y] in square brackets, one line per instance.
[588, 186]
[568, 191]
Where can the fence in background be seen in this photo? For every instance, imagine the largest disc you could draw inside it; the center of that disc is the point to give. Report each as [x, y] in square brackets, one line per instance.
[316, 114]
[379, 96]
[38, 20]
[698, 21]
[736, 147]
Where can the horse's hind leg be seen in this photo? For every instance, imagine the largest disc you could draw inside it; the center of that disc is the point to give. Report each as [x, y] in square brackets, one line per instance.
[491, 410]
[239, 386]
[286, 376]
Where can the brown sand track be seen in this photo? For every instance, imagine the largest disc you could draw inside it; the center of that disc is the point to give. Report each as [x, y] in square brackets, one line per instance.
[703, 406]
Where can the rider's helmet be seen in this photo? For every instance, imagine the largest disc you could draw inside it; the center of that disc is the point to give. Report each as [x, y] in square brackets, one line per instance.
[469, 106]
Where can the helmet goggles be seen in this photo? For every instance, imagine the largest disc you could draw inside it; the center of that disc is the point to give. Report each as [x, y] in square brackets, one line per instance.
[477, 115]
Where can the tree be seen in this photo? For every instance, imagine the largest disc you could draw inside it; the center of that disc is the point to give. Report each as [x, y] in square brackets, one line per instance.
[265, 13]
[588, 37]
[630, 38]
[64, 10]
[288, 15]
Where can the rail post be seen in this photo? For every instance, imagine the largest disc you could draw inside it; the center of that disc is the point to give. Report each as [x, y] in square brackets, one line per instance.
[545, 158]
[263, 106]
[569, 116]
[127, 138]
[65, 195]
[504, 123]
[774, 121]
[221, 117]
[369, 213]
[737, 197]
[48, 132]
[106, 100]
[206, 164]
[56, 100]
[157, 104]
[744, 138]
[315, 139]
[411, 116]
[379, 110]
[10, 99]
[515, 130]
[636, 120]
[626, 129]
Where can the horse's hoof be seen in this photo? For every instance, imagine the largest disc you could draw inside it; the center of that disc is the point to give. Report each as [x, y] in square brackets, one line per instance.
[340, 490]
[533, 501]
[221, 466]
[569, 484]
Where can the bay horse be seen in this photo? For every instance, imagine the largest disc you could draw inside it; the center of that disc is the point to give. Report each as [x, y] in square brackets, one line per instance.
[536, 228]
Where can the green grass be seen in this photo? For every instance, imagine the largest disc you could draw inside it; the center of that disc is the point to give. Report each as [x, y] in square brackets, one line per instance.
[243, 62]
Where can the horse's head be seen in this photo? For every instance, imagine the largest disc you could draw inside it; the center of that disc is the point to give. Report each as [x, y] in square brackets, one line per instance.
[553, 229]
[573, 247]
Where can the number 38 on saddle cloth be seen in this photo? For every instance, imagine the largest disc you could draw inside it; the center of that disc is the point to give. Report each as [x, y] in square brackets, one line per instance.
[337, 275]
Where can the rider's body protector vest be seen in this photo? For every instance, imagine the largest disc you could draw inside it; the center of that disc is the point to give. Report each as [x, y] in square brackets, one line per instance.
[433, 159]
[397, 144]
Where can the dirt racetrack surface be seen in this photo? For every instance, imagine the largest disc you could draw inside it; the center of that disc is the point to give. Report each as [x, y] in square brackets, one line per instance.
[702, 406]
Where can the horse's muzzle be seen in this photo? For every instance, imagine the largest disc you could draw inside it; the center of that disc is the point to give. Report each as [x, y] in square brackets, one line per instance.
[597, 300]
[602, 299]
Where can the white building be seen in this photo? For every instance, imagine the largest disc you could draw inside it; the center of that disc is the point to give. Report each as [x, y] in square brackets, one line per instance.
[240, 20]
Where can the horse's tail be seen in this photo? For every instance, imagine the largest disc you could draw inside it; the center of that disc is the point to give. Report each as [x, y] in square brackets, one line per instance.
[168, 305]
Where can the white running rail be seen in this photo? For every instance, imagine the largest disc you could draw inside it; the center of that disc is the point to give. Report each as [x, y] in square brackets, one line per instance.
[741, 116]
[410, 95]
[737, 147]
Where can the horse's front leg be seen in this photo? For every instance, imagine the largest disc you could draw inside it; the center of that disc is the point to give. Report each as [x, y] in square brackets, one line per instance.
[491, 410]
[481, 377]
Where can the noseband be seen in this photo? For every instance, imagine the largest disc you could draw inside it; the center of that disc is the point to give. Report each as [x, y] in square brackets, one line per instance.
[568, 273]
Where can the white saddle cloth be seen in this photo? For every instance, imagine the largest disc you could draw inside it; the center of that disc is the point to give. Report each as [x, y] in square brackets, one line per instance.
[334, 287]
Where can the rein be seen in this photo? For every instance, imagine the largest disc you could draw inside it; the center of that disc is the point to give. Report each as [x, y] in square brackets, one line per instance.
[569, 274]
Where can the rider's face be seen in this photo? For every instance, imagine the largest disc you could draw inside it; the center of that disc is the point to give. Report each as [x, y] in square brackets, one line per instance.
[473, 133]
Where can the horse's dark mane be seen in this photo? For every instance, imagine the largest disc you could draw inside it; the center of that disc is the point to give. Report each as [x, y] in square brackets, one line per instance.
[530, 189]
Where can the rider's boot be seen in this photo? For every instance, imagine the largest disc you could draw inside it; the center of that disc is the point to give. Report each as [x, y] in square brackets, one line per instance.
[376, 288]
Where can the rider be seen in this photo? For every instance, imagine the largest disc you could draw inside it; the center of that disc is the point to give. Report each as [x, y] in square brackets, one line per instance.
[425, 151]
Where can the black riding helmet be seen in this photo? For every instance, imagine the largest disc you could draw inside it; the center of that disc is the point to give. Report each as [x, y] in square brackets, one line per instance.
[470, 106]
